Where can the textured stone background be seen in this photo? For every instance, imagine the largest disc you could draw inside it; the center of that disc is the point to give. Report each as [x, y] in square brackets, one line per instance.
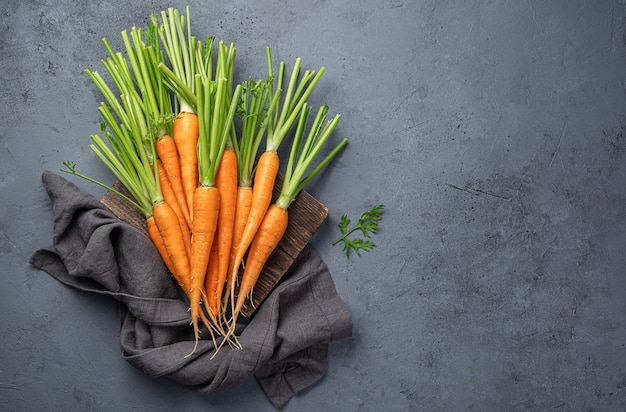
[493, 133]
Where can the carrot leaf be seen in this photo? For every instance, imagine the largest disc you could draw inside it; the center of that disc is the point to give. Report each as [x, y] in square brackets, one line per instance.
[367, 224]
[70, 168]
[299, 88]
[216, 111]
[305, 148]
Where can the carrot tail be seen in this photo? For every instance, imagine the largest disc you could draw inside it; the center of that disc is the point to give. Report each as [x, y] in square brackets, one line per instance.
[213, 322]
[185, 131]
[265, 242]
[264, 179]
[214, 327]
[170, 198]
[205, 215]
[166, 149]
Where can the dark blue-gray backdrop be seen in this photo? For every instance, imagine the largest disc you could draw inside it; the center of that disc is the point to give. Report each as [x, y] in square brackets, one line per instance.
[491, 130]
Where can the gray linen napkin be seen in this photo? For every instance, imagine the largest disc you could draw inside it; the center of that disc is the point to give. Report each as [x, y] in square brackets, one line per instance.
[285, 343]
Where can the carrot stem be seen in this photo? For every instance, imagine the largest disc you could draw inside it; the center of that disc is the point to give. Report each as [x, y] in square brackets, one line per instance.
[304, 152]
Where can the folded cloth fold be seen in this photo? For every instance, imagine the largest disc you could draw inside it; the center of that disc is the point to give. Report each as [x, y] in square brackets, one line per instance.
[284, 345]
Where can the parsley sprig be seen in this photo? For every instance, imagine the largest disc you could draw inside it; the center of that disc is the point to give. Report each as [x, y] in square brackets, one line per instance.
[367, 224]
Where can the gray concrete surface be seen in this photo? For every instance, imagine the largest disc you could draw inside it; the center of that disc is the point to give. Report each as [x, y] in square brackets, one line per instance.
[493, 133]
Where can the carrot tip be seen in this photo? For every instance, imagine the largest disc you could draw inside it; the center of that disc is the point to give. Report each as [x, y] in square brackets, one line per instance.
[195, 347]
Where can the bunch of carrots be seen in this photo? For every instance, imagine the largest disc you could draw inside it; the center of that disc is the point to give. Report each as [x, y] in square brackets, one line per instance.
[185, 140]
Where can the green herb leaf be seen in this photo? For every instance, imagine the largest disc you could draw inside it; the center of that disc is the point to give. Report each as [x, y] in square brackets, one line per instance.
[367, 224]
[344, 223]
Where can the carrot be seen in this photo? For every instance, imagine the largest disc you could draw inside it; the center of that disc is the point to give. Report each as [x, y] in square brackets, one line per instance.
[186, 138]
[170, 198]
[206, 208]
[168, 225]
[226, 183]
[168, 153]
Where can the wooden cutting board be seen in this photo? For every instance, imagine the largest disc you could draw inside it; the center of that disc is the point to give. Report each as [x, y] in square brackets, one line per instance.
[306, 215]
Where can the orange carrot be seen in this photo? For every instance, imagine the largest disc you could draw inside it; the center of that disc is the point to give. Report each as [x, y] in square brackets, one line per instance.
[205, 214]
[226, 183]
[186, 138]
[168, 225]
[170, 198]
[264, 179]
[268, 236]
[166, 149]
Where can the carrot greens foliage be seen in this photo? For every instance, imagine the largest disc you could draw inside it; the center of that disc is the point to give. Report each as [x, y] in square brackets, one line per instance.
[367, 224]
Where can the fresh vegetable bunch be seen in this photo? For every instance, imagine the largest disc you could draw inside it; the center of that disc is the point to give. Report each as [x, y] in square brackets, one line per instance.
[184, 139]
